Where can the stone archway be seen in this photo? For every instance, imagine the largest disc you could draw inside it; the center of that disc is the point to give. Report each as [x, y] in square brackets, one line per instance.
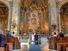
[3, 16]
[64, 17]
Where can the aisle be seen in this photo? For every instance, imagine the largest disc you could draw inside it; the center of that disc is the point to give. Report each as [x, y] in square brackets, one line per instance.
[34, 48]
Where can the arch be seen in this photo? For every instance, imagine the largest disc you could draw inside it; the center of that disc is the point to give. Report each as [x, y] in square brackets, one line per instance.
[33, 3]
[40, 3]
[64, 7]
[4, 10]
[5, 2]
[64, 17]
[62, 3]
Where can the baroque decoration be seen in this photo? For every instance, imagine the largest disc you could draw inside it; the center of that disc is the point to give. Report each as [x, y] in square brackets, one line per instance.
[35, 12]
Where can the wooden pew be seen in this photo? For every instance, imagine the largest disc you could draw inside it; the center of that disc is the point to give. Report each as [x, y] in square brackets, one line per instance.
[53, 41]
[17, 43]
[61, 46]
[11, 43]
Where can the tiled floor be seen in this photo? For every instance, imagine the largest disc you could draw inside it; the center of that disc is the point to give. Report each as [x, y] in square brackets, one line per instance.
[44, 46]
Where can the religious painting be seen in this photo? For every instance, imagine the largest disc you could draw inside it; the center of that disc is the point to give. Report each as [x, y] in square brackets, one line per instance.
[34, 21]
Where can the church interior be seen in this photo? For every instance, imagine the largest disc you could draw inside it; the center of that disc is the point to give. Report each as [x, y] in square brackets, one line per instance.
[33, 25]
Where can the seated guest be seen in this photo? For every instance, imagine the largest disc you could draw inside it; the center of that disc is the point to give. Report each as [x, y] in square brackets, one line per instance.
[2, 39]
[19, 36]
[61, 34]
[9, 34]
[55, 35]
[13, 34]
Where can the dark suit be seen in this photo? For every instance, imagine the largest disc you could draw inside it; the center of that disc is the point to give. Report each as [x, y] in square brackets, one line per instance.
[9, 35]
[61, 34]
[36, 39]
[2, 40]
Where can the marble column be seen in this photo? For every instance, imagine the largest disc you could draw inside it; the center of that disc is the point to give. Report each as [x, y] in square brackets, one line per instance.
[25, 20]
[53, 14]
[10, 15]
[15, 16]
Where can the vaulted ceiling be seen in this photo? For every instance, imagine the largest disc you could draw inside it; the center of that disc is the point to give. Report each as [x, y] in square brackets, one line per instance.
[35, 3]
